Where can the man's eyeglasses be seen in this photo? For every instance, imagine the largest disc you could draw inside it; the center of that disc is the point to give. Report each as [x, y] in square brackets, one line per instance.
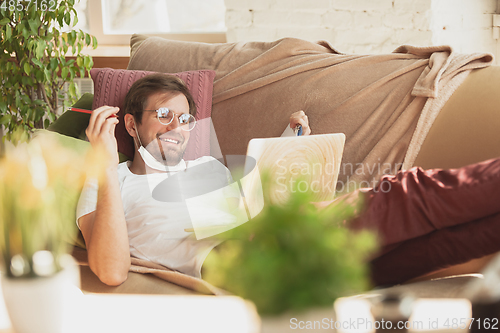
[166, 116]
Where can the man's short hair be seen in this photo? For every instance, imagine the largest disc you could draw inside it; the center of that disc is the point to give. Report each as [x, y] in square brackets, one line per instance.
[139, 93]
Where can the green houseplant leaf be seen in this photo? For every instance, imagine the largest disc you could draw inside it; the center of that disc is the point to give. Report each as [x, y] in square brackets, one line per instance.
[33, 65]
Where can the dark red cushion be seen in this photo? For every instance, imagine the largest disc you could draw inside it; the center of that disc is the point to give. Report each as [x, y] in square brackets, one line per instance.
[111, 86]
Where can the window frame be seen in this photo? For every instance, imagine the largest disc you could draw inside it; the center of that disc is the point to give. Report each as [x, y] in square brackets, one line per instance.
[96, 29]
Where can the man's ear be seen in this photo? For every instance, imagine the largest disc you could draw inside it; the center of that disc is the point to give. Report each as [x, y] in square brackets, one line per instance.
[130, 125]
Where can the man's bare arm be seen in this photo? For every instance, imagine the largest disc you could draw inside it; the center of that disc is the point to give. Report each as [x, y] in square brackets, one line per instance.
[105, 229]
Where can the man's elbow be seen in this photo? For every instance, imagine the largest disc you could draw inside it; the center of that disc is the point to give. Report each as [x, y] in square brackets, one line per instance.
[112, 272]
[113, 278]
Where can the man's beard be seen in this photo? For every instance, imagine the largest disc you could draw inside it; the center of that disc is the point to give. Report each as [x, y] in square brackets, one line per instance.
[166, 153]
[170, 156]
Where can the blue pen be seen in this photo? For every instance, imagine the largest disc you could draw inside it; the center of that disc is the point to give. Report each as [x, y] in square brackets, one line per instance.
[298, 130]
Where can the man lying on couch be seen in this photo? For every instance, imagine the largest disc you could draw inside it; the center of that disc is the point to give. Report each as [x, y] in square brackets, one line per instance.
[118, 217]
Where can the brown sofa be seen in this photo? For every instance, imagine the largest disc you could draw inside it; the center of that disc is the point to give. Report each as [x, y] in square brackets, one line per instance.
[464, 132]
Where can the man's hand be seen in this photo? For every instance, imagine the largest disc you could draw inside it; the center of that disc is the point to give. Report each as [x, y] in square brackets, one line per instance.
[300, 118]
[101, 132]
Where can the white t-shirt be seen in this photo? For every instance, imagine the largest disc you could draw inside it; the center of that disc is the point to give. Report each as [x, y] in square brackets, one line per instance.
[156, 223]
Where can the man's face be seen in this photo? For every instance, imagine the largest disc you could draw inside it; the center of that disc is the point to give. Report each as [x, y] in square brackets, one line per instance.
[166, 143]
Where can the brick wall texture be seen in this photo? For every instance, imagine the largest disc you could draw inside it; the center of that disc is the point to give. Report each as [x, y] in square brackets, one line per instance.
[366, 26]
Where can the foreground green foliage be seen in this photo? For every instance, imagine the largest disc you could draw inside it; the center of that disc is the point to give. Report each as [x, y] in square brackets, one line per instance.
[40, 183]
[292, 257]
[36, 37]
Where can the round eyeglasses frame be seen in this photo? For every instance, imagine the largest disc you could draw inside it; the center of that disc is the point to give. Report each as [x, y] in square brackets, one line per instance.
[165, 116]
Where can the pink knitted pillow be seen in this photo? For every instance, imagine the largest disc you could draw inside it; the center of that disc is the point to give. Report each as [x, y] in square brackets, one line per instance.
[111, 86]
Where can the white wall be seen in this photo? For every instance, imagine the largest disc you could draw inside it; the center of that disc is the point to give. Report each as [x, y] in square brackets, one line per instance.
[366, 26]
[464, 24]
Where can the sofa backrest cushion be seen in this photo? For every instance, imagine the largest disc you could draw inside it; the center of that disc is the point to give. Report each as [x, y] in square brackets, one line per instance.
[111, 86]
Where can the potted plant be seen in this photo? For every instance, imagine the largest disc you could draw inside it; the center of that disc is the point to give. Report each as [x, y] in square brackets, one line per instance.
[40, 182]
[36, 38]
[292, 257]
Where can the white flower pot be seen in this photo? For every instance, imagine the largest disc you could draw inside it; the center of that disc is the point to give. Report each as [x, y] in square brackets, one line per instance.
[38, 305]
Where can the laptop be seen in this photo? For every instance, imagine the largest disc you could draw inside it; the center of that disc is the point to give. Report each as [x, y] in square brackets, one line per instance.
[297, 163]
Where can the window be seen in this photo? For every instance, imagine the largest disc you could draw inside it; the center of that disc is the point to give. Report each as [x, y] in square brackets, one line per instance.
[114, 21]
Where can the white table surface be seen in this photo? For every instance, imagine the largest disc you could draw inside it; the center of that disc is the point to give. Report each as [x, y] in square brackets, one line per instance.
[203, 314]
[109, 313]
